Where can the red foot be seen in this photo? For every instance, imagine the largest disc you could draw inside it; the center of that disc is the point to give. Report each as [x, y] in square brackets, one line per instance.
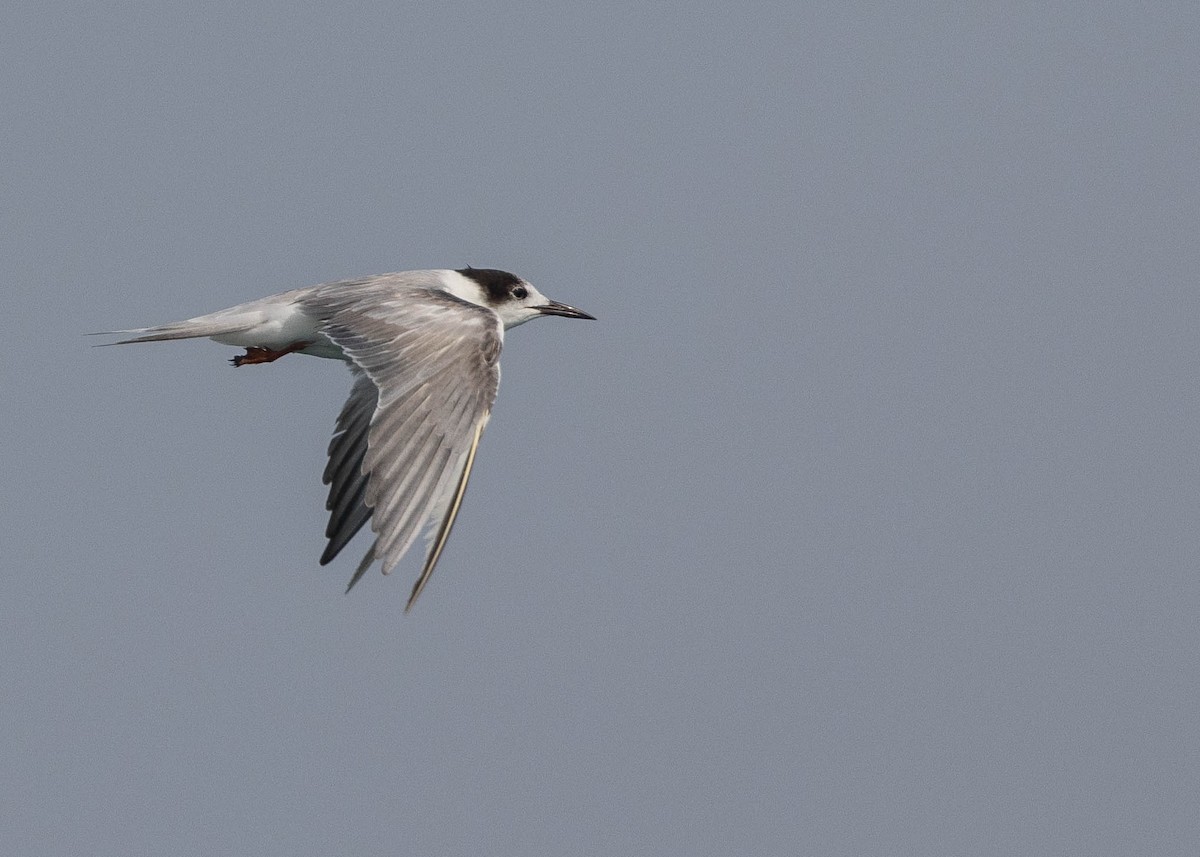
[255, 354]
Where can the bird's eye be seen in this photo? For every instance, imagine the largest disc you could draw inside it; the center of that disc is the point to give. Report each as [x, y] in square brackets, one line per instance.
[520, 293]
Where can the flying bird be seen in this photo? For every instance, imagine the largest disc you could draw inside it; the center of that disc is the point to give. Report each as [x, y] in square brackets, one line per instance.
[424, 349]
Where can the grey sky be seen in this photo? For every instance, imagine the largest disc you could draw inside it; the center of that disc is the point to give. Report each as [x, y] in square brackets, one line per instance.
[864, 521]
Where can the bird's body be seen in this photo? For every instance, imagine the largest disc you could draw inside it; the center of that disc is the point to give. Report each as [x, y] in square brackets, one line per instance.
[424, 347]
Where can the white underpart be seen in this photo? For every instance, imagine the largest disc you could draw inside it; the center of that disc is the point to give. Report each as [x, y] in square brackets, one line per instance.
[278, 326]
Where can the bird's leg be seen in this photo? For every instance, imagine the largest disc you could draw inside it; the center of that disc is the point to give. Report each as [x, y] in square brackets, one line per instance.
[256, 354]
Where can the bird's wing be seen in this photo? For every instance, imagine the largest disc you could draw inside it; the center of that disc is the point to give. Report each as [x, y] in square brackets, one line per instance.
[407, 435]
[344, 473]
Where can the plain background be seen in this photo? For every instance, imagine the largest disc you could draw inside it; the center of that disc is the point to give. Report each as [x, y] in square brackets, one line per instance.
[863, 522]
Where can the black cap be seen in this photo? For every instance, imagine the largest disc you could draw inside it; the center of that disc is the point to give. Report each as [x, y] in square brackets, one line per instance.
[497, 284]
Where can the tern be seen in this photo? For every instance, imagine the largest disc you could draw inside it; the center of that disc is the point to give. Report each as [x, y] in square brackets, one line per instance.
[424, 349]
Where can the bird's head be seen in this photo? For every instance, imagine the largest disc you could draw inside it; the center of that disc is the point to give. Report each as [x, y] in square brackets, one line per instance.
[516, 301]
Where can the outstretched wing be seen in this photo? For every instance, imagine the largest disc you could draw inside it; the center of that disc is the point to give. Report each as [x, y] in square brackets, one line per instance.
[407, 436]
[344, 472]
